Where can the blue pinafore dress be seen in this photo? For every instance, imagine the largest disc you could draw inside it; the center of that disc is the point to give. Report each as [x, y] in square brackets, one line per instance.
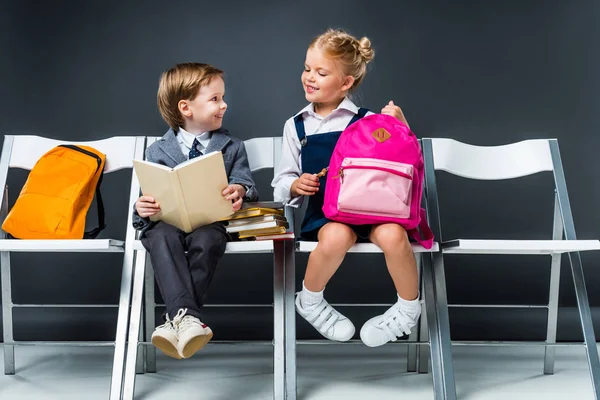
[315, 155]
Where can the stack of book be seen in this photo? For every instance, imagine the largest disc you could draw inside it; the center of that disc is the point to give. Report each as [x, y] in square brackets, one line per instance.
[259, 221]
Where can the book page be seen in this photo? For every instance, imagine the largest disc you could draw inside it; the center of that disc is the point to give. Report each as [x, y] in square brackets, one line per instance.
[161, 183]
[202, 182]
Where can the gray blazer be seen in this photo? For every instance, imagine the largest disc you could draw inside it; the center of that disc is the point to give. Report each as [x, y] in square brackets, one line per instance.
[166, 151]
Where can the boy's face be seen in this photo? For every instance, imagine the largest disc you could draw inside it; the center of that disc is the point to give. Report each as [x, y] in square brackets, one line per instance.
[205, 112]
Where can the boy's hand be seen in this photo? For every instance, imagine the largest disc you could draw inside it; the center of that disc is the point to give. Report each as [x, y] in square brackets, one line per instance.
[146, 206]
[306, 185]
[236, 194]
[394, 111]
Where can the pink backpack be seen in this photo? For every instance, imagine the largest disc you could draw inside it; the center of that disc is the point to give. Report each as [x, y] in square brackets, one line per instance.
[376, 176]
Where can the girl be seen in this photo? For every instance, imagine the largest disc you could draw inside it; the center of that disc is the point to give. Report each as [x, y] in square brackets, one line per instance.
[336, 64]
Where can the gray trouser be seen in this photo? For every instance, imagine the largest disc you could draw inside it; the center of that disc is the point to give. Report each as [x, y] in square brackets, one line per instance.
[183, 279]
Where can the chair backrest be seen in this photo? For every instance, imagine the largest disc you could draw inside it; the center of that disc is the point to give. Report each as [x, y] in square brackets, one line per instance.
[494, 163]
[490, 163]
[23, 151]
[263, 152]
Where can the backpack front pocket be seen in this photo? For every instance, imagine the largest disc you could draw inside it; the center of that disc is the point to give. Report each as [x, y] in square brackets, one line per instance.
[375, 187]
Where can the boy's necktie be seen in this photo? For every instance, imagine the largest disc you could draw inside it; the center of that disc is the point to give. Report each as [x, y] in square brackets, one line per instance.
[194, 152]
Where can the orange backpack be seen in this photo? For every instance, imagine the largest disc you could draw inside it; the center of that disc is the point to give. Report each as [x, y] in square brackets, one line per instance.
[57, 195]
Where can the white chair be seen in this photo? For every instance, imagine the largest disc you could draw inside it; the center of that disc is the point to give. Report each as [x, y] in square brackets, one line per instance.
[263, 153]
[427, 332]
[23, 152]
[507, 162]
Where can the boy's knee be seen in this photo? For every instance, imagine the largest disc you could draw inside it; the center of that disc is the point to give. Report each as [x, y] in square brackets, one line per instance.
[162, 231]
[210, 240]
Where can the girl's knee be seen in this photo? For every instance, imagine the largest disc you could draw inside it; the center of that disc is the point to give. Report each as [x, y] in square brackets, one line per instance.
[391, 238]
[336, 238]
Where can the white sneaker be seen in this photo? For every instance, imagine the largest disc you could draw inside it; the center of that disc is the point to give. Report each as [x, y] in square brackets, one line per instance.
[192, 334]
[394, 323]
[165, 339]
[327, 320]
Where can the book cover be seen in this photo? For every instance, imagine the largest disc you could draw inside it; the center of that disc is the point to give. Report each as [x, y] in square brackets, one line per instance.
[263, 204]
[252, 227]
[252, 212]
[261, 232]
[281, 236]
[256, 220]
[189, 194]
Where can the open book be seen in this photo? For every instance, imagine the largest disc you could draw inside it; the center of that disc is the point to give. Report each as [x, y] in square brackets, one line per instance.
[189, 194]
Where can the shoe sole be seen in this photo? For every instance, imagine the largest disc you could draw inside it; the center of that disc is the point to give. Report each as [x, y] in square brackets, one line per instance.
[195, 344]
[166, 347]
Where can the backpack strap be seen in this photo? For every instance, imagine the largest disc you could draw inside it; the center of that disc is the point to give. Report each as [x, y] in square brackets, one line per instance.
[100, 209]
[301, 132]
[299, 122]
[423, 234]
[360, 114]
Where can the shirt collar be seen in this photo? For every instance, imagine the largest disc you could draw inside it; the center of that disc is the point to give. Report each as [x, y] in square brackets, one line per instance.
[346, 104]
[187, 138]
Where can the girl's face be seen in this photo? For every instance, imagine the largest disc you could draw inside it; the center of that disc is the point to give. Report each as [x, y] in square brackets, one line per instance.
[323, 80]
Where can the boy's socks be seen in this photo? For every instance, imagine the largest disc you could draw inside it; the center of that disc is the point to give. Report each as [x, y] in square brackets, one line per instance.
[309, 300]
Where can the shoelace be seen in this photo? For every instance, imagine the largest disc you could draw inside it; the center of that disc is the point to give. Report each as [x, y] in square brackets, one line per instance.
[325, 316]
[395, 324]
[182, 322]
[166, 325]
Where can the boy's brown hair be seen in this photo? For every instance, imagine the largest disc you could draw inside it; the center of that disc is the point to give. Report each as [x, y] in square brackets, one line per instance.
[182, 82]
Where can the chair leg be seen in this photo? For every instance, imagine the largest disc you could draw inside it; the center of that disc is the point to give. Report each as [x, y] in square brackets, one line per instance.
[279, 355]
[134, 326]
[290, 320]
[149, 309]
[438, 326]
[413, 349]
[423, 353]
[587, 327]
[7, 314]
[550, 351]
[122, 322]
[141, 354]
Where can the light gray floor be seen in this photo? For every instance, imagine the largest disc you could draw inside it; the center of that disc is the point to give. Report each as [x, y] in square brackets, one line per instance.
[236, 372]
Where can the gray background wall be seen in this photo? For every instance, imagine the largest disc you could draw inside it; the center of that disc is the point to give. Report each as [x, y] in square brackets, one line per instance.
[485, 73]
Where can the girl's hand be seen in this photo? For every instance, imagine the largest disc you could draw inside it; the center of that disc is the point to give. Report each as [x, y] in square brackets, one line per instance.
[394, 111]
[146, 206]
[306, 185]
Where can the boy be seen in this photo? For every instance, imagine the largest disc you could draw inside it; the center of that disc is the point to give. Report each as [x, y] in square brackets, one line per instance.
[190, 100]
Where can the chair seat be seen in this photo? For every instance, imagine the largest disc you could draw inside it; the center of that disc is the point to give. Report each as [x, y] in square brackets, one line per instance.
[262, 246]
[72, 245]
[307, 247]
[470, 246]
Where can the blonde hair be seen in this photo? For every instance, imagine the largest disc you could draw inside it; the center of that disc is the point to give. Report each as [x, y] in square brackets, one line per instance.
[182, 82]
[352, 54]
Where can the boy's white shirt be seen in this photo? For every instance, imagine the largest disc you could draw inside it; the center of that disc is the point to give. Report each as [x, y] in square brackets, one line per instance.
[290, 165]
[186, 139]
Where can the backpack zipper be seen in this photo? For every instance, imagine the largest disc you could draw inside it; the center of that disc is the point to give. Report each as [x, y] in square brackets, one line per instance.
[84, 151]
[340, 173]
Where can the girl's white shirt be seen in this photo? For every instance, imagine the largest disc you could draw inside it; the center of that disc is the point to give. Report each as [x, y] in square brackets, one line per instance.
[290, 165]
